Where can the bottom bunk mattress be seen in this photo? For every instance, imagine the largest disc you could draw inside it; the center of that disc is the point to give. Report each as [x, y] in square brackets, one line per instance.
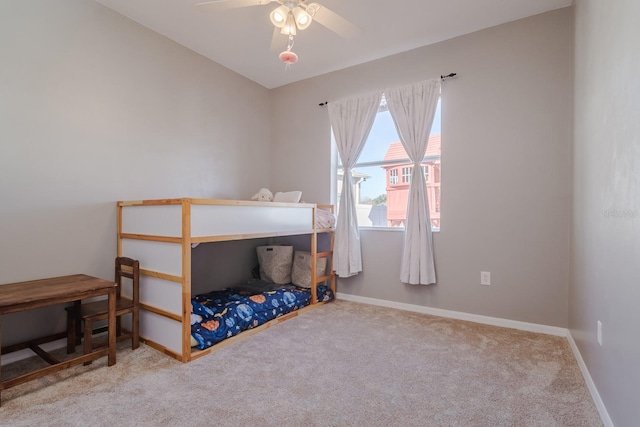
[218, 315]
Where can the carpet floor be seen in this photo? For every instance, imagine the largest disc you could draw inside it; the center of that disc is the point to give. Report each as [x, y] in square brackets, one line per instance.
[342, 364]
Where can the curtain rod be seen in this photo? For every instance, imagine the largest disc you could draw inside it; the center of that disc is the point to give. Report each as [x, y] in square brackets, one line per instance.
[442, 77]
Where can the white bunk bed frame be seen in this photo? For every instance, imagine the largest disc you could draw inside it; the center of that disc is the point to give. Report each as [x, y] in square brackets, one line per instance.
[160, 234]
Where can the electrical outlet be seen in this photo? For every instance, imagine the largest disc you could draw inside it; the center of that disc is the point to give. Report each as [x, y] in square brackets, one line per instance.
[599, 333]
[485, 278]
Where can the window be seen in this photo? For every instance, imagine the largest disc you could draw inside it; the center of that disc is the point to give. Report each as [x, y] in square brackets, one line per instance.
[406, 175]
[393, 176]
[382, 175]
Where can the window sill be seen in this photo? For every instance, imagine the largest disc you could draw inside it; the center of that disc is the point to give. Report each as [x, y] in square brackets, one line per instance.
[390, 229]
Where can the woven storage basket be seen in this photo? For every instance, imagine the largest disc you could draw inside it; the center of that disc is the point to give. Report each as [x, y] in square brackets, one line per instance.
[275, 263]
[301, 270]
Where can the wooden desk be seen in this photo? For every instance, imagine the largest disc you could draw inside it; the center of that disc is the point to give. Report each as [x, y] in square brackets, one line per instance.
[21, 296]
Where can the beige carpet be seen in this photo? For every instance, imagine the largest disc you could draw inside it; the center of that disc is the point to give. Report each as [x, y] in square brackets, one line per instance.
[343, 364]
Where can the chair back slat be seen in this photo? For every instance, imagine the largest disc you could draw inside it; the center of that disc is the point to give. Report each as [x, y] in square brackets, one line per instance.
[128, 268]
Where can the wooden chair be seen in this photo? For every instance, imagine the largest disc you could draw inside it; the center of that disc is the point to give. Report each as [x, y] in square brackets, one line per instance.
[99, 310]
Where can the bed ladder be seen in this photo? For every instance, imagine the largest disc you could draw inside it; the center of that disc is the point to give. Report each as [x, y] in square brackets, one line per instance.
[327, 277]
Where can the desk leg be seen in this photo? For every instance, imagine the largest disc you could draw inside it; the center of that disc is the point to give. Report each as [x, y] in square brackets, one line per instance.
[112, 327]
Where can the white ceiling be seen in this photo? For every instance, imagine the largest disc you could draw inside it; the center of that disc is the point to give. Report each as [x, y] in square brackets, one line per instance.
[240, 38]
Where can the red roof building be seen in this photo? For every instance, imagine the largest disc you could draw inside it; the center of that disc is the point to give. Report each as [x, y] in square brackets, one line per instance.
[398, 178]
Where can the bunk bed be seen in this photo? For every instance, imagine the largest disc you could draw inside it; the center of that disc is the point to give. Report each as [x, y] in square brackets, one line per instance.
[161, 234]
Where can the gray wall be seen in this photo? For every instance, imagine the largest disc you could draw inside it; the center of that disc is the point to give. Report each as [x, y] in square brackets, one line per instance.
[95, 108]
[506, 154]
[605, 281]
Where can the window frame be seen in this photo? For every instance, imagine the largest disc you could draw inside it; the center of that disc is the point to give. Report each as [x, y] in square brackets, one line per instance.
[383, 108]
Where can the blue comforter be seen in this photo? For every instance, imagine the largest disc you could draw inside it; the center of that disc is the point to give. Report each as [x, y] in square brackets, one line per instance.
[222, 314]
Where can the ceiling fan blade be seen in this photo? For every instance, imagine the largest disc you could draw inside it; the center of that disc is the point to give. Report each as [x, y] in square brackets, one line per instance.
[278, 41]
[335, 22]
[229, 4]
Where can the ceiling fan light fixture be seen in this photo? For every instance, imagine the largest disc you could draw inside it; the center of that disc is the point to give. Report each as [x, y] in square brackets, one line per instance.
[279, 16]
[289, 27]
[303, 19]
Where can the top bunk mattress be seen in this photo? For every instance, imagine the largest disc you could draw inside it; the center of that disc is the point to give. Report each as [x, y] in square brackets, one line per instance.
[225, 219]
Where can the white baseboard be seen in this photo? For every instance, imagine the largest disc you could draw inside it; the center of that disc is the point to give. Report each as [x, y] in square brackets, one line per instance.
[604, 415]
[494, 321]
[26, 353]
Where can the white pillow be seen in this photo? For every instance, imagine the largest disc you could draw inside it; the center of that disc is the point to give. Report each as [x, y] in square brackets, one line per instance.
[287, 197]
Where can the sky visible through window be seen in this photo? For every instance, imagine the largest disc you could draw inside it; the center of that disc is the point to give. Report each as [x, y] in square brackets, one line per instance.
[382, 134]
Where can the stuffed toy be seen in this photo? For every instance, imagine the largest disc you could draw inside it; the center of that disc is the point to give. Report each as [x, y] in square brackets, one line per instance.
[264, 195]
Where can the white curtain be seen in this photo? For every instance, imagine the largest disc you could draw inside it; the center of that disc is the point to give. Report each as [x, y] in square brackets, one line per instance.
[351, 121]
[412, 109]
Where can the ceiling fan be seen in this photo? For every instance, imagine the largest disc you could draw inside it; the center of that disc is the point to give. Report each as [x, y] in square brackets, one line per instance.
[290, 17]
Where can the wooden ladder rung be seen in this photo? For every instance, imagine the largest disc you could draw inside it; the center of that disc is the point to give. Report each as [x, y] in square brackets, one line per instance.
[323, 278]
[323, 254]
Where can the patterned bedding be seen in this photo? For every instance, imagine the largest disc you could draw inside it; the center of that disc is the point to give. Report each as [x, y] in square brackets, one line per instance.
[222, 314]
